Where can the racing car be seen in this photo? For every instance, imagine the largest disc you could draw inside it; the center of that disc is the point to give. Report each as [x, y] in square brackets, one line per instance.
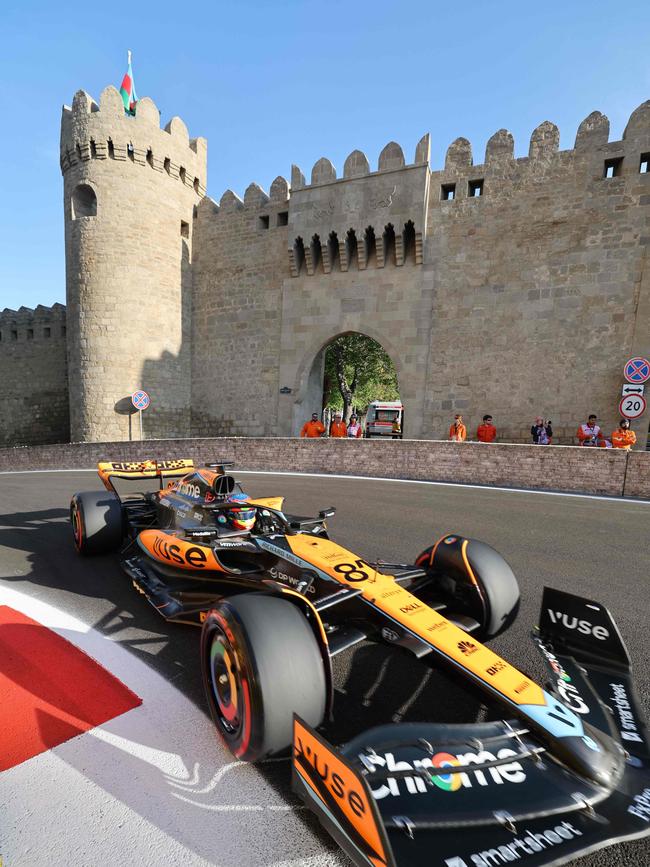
[564, 771]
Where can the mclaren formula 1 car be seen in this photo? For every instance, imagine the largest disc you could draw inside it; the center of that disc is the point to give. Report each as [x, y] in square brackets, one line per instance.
[563, 771]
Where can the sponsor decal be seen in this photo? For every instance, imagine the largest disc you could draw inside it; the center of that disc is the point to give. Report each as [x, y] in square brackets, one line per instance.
[234, 543]
[292, 580]
[209, 497]
[329, 779]
[567, 691]
[389, 635]
[198, 516]
[192, 556]
[582, 626]
[189, 490]
[529, 843]
[388, 593]
[498, 666]
[411, 608]
[640, 806]
[440, 624]
[353, 571]
[627, 723]
[467, 647]
[522, 687]
[450, 540]
[460, 776]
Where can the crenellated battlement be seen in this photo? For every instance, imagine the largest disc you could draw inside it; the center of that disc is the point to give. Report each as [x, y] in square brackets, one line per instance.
[103, 132]
[42, 323]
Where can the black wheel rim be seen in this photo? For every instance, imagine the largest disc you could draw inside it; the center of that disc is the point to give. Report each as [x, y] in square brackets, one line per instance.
[226, 683]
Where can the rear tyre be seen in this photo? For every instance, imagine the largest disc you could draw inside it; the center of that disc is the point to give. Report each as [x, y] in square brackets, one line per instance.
[97, 522]
[474, 579]
[260, 663]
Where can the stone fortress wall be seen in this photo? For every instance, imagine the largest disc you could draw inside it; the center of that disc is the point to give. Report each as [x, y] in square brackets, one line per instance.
[33, 376]
[515, 286]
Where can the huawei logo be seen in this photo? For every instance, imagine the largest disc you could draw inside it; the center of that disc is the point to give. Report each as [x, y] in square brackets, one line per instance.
[467, 647]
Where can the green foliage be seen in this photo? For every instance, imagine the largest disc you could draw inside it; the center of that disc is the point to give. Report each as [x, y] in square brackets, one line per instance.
[358, 370]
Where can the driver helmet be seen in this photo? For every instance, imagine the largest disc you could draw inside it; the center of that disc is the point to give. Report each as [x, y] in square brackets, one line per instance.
[242, 515]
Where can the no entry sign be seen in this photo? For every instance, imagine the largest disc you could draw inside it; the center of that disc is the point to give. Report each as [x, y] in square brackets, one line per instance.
[140, 399]
[637, 370]
[632, 405]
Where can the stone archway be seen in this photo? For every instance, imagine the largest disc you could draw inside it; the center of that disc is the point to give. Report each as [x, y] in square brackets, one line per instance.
[308, 388]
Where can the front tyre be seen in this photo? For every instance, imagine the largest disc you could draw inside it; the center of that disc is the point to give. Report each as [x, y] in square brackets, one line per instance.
[474, 579]
[97, 522]
[260, 664]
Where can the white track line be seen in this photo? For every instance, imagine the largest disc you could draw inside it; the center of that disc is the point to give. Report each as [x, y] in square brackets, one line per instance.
[469, 485]
[152, 786]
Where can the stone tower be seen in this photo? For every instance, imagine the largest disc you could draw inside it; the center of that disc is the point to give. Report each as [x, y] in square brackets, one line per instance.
[130, 189]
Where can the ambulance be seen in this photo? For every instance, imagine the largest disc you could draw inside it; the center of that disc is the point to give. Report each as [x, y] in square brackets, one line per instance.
[380, 417]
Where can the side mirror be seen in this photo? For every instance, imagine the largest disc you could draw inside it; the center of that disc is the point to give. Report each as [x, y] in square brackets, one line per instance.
[327, 513]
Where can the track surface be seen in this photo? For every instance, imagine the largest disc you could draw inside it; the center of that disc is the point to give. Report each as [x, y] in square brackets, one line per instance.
[596, 548]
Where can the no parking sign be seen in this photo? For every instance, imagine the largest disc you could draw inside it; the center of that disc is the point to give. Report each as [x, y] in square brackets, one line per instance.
[140, 400]
[637, 370]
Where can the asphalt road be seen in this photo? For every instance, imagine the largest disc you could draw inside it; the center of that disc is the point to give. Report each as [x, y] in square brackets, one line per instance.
[594, 547]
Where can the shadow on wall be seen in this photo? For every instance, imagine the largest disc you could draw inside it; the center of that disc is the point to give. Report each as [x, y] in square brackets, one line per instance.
[167, 379]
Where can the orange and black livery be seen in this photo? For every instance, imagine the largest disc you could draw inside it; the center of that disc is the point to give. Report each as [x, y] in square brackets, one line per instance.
[564, 770]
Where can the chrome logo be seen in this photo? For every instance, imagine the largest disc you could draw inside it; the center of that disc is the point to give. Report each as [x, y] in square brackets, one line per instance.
[446, 782]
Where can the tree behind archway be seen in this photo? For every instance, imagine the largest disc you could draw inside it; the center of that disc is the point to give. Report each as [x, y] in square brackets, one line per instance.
[357, 371]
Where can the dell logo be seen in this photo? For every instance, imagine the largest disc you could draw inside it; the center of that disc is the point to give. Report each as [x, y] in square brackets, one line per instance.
[582, 626]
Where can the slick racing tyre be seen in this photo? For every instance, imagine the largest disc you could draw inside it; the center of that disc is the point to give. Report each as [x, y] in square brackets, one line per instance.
[260, 663]
[475, 580]
[96, 519]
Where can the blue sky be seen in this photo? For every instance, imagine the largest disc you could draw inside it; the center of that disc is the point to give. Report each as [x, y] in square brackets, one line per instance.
[271, 83]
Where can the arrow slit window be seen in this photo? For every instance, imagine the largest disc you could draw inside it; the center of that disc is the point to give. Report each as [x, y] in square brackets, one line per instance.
[83, 202]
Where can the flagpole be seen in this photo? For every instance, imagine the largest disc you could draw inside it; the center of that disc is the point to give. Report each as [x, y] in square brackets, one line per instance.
[128, 57]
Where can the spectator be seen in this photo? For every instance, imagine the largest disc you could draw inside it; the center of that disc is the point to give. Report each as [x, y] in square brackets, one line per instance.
[458, 431]
[590, 434]
[486, 432]
[338, 427]
[623, 437]
[314, 428]
[541, 432]
[354, 428]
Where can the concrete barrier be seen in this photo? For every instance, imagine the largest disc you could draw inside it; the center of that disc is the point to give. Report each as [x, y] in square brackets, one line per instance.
[610, 472]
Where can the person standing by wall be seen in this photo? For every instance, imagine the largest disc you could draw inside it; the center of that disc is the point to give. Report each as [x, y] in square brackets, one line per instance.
[541, 432]
[590, 434]
[354, 428]
[314, 428]
[486, 432]
[338, 427]
[458, 431]
[623, 437]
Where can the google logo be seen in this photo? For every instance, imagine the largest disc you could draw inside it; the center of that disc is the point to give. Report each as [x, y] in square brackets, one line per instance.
[446, 782]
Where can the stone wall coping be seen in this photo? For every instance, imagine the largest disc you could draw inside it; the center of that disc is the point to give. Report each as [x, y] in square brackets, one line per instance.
[569, 469]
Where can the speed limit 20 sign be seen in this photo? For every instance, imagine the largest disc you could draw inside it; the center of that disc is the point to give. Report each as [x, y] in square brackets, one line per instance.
[632, 405]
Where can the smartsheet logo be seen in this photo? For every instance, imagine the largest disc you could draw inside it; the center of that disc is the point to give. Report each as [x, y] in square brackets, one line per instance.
[529, 843]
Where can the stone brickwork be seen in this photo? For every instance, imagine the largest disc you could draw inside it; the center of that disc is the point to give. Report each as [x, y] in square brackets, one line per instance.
[33, 376]
[593, 471]
[513, 286]
[130, 189]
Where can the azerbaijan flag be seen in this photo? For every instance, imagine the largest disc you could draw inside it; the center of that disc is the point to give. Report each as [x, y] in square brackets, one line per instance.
[127, 89]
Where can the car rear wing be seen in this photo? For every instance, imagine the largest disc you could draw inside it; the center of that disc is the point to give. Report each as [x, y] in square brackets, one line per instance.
[149, 469]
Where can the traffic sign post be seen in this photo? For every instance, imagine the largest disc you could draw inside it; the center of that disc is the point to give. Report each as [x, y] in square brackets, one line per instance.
[141, 401]
[632, 406]
[637, 370]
